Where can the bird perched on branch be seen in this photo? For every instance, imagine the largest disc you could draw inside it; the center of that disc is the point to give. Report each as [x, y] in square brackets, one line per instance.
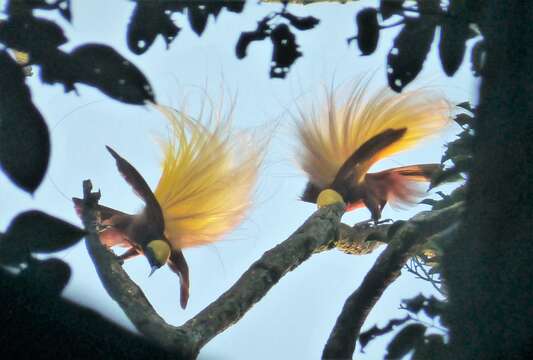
[205, 189]
[340, 144]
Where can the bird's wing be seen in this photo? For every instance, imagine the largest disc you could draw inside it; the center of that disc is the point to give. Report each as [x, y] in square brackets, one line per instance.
[177, 263]
[105, 212]
[353, 171]
[141, 188]
[398, 186]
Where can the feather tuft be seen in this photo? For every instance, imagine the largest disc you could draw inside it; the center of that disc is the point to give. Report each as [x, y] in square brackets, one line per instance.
[208, 177]
[330, 137]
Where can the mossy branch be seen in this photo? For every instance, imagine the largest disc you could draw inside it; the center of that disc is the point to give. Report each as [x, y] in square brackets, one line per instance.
[403, 244]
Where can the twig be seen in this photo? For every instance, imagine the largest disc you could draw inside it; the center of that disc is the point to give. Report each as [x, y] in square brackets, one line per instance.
[341, 342]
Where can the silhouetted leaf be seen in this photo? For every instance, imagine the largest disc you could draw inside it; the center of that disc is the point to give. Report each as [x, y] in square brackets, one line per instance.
[32, 35]
[198, 17]
[429, 202]
[247, 37]
[434, 307]
[463, 119]
[457, 195]
[24, 137]
[148, 20]
[477, 57]
[107, 70]
[463, 146]
[409, 52]
[42, 233]
[405, 341]
[465, 105]
[12, 252]
[367, 30]
[24, 7]
[375, 331]
[99, 66]
[387, 8]
[415, 304]
[235, 6]
[301, 23]
[451, 174]
[49, 276]
[452, 45]
[431, 348]
[285, 51]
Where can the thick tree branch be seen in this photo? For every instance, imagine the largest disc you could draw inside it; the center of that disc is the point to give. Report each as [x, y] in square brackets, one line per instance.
[358, 239]
[187, 340]
[404, 242]
[121, 288]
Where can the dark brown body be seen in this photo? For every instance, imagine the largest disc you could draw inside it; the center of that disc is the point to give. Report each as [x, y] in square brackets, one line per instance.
[373, 190]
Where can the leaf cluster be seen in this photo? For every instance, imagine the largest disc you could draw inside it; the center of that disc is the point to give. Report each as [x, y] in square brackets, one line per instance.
[285, 49]
[34, 232]
[420, 21]
[414, 336]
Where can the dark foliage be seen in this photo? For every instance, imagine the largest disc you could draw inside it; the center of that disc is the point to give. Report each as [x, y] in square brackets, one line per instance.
[152, 18]
[411, 46]
[409, 51]
[368, 36]
[38, 323]
[24, 137]
[285, 49]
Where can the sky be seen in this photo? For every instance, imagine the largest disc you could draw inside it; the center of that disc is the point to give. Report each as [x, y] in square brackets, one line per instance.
[295, 318]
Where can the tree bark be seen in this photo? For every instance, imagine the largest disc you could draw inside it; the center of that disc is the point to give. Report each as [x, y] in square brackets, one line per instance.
[489, 269]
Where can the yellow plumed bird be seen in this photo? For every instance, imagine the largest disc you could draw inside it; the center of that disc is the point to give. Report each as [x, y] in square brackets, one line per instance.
[208, 176]
[339, 144]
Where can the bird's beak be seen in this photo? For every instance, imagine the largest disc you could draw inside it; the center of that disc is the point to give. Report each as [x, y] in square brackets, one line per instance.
[154, 268]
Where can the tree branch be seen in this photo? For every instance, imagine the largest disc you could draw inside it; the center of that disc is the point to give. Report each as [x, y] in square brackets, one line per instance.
[188, 339]
[121, 288]
[404, 242]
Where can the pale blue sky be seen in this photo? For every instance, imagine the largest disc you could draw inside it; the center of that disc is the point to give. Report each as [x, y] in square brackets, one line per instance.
[295, 318]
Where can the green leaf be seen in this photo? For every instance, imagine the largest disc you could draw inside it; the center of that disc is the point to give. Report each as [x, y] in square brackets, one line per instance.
[42, 233]
[406, 340]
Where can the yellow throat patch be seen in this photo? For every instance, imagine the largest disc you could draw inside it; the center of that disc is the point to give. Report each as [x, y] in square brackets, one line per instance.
[161, 250]
[328, 197]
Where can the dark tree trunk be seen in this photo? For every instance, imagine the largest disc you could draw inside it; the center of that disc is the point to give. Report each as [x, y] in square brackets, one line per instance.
[490, 268]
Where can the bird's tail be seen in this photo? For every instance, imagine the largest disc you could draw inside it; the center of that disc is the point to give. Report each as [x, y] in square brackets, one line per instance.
[208, 178]
[330, 136]
[400, 186]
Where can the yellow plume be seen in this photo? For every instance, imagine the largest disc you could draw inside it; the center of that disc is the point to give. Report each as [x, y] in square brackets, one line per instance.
[329, 138]
[208, 177]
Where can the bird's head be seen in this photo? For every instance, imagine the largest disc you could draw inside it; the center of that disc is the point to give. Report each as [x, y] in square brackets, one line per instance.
[157, 252]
